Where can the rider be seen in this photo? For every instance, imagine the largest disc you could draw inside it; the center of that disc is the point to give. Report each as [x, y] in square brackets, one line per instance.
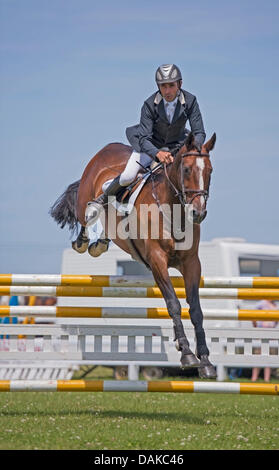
[162, 127]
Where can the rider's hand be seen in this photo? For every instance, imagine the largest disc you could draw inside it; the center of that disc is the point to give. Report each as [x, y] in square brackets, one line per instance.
[164, 157]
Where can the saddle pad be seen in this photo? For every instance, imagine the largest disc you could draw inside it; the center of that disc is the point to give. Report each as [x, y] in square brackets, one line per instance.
[127, 208]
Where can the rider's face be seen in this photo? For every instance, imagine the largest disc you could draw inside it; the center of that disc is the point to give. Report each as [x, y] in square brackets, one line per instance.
[169, 90]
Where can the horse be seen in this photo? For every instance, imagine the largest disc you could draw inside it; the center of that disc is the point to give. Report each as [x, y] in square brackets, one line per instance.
[185, 181]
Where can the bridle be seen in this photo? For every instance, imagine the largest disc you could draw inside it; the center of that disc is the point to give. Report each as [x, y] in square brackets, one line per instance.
[182, 194]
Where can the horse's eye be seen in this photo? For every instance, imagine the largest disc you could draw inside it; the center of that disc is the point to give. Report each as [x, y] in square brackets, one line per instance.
[186, 170]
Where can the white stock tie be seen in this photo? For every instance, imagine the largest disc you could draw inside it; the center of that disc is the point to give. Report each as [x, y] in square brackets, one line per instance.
[170, 107]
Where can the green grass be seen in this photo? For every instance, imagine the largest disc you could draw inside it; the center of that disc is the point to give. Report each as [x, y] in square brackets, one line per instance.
[84, 420]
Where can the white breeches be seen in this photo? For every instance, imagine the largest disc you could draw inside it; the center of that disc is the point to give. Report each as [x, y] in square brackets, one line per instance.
[132, 167]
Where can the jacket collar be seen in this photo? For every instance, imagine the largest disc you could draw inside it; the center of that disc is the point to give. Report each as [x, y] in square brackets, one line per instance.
[158, 97]
[159, 103]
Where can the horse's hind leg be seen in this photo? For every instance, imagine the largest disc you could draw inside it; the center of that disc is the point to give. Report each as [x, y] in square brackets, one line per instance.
[81, 243]
[192, 274]
[161, 276]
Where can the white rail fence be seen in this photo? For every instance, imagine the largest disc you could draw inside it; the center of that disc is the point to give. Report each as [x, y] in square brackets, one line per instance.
[115, 342]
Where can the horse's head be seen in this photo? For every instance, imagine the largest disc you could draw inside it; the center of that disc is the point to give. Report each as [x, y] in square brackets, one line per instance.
[191, 175]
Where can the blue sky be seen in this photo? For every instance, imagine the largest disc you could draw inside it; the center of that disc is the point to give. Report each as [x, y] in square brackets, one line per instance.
[74, 75]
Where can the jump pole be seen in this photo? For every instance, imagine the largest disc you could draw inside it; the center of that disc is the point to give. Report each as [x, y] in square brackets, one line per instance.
[137, 386]
[142, 292]
[133, 312]
[131, 281]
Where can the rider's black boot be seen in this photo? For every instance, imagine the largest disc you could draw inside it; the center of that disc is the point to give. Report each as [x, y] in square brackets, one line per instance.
[114, 187]
[111, 190]
[94, 207]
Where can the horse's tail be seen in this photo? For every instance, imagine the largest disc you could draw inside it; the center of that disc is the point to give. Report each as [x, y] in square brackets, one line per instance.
[64, 209]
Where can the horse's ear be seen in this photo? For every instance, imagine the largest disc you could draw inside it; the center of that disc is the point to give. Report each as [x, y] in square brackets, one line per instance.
[209, 145]
[190, 141]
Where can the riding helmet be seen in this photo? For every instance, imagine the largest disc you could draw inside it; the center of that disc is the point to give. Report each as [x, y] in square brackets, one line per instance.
[167, 73]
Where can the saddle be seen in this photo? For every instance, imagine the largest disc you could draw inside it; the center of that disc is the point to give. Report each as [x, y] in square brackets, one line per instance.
[129, 193]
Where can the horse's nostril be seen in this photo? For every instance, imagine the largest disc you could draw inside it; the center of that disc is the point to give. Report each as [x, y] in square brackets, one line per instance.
[199, 216]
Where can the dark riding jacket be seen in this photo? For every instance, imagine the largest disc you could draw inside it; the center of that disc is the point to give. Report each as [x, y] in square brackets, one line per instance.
[155, 132]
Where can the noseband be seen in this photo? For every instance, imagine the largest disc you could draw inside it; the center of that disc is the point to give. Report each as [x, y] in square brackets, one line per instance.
[182, 195]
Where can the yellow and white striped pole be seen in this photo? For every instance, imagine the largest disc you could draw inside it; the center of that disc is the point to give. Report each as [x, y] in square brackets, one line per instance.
[143, 292]
[134, 312]
[86, 291]
[82, 280]
[137, 386]
[241, 282]
[132, 281]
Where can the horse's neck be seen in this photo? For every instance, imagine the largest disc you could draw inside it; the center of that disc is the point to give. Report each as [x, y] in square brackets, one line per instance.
[167, 193]
[163, 194]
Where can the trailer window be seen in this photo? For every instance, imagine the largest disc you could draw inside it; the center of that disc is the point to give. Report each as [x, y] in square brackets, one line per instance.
[250, 267]
[270, 267]
[258, 267]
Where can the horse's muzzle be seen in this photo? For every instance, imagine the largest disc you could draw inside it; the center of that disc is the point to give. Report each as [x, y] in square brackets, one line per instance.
[199, 216]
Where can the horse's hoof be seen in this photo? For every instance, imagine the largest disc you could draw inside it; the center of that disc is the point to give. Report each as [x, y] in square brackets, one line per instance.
[207, 372]
[99, 247]
[80, 247]
[206, 369]
[189, 360]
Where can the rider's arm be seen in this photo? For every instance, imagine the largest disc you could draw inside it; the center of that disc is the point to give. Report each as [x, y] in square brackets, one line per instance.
[146, 132]
[196, 122]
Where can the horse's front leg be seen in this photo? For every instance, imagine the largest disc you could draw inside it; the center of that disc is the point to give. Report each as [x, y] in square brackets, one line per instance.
[159, 268]
[192, 275]
[81, 243]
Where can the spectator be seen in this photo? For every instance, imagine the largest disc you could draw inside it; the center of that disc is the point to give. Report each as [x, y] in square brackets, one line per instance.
[50, 301]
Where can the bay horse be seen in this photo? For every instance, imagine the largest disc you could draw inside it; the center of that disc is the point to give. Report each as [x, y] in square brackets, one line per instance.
[185, 181]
